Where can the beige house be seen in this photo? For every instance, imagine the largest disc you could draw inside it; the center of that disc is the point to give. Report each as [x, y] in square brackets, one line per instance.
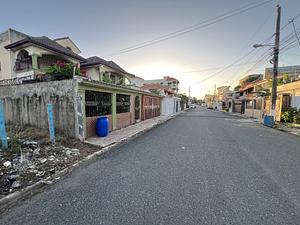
[98, 69]
[168, 81]
[23, 56]
[288, 95]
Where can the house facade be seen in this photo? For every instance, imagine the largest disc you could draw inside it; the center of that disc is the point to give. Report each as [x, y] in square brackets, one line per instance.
[170, 103]
[23, 57]
[167, 81]
[292, 72]
[103, 88]
[98, 69]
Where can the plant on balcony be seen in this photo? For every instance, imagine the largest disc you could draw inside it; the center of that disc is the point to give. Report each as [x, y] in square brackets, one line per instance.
[62, 70]
[106, 79]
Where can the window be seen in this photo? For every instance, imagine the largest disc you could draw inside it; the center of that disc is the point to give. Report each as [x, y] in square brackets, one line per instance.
[123, 103]
[23, 61]
[97, 103]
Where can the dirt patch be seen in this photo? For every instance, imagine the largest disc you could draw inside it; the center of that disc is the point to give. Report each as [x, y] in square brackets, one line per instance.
[31, 157]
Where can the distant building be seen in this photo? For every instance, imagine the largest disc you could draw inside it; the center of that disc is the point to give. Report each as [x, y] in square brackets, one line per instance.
[221, 92]
[171, 82]
[292, 71]
[250, 78]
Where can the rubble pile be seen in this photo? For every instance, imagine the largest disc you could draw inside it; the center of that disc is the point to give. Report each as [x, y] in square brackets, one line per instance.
[29, 160]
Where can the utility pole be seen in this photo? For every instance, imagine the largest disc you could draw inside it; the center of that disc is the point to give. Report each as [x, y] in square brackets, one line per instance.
[189, 102]
[275, 62]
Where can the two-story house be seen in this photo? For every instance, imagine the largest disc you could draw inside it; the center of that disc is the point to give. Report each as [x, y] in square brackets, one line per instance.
[98, 69]
[171, 82]
[23, 56]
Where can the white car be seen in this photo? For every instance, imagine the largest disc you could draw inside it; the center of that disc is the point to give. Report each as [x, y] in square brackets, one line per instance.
[193, 106]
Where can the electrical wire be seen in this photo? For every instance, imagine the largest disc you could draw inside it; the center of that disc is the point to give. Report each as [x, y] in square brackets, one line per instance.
[198, 26]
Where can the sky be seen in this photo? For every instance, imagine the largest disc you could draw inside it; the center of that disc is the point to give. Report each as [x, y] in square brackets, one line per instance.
[104, 27]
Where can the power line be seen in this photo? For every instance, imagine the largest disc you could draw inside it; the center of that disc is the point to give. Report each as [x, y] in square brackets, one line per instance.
[191, 28]
[266, 55]
[296, 32]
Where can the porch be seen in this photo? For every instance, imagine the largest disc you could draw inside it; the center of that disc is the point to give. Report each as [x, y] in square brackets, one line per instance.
[122, 105]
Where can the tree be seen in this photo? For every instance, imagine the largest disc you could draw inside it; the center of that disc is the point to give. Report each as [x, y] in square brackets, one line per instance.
[286, 78]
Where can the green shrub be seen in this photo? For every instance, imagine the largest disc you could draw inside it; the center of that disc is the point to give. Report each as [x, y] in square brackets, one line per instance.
[296, 119]
[289, 114]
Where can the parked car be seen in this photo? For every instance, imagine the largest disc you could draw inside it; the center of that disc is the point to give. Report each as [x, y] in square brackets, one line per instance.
[193, 106]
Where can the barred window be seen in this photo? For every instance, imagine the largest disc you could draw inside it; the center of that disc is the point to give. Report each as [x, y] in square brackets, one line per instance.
[123, 103]
[97, 103]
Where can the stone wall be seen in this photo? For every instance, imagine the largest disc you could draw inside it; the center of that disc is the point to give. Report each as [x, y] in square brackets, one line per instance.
[26, 104]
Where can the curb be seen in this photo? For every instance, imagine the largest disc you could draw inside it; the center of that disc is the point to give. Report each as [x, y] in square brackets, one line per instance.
[10, 200]
[286, 131]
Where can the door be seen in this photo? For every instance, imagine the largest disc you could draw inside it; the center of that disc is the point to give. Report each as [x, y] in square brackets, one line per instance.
[286, 102]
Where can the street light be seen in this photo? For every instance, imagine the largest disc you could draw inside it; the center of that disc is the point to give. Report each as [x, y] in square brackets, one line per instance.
[261, 45]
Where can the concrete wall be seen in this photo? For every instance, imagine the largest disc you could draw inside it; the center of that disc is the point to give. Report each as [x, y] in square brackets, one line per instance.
[254, 113]
[26, 104]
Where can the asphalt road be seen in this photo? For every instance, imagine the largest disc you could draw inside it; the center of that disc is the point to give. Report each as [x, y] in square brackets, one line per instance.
[202, 167]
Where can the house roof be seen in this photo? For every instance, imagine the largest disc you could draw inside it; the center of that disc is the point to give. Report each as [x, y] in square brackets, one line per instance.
[168, 78]
[95, 60]
[47, 43]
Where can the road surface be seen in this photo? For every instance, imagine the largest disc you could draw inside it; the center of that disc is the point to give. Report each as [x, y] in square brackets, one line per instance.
[202, 167]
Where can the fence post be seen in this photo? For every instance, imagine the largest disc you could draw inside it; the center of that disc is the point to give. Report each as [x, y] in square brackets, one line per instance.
[2, 126]
[51, 123]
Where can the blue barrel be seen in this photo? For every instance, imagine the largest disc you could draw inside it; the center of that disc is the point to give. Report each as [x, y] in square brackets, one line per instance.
[269, 121]
[102, 126]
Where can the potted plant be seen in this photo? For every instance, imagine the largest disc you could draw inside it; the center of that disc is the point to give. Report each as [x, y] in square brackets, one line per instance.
[61, 71]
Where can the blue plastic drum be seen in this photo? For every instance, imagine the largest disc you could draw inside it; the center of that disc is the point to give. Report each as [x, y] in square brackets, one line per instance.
[102, 126]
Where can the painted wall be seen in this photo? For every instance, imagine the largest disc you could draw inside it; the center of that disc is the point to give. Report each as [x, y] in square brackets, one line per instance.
[117, 121]
[66, 42]
[169, 105]
[93, 73]
[6, 56]
[91, 125]
[295, 101]
[123, 120]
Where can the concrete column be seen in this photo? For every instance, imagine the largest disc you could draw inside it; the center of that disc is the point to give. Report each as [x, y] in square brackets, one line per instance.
[34, 58]
[114, 110]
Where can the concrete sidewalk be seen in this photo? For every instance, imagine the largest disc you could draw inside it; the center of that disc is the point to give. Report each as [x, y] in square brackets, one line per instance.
[124, 134]
[288, 128]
